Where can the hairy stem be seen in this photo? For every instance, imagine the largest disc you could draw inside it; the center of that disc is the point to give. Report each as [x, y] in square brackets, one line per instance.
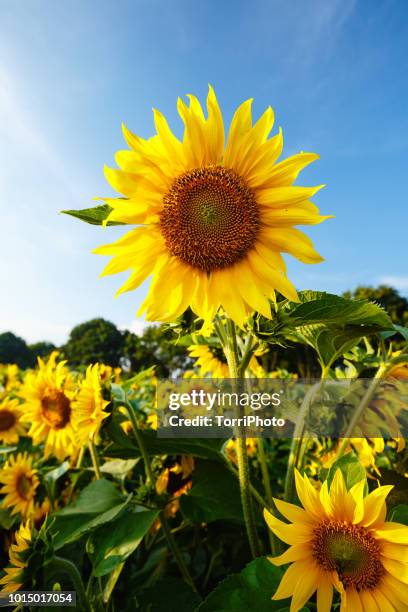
[231, 353]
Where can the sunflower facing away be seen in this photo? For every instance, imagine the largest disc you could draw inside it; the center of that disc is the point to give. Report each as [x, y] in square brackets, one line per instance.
[88, 407]
[48, 393]
[14, 575]
[10, 425]
[340, 538]
[20, 482]
[214, 215]
[208, 362]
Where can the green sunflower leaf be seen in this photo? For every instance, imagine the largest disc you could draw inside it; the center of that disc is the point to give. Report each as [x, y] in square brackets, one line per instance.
[213, 496]
[330, 324]
[94, 216]
[124, 447]
[252, 589]
[111, 544]
[399, 514]
[98, 503]
[352, 470]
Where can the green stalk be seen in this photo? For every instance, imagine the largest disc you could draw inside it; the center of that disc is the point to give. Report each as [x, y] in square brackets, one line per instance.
[382, 370]
[58, 564]
[150, 478]
[231, 353]
[94, 457]
[298, 442]
[267, 487]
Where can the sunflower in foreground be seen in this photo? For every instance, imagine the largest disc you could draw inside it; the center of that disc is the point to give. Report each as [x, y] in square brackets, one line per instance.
[340, 539]
[214, 216]
[88, 407]
[14, 575]
[48, 393]
[20, 482]
[10, 426]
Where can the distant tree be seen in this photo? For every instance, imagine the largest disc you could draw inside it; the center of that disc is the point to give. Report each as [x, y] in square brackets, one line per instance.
[42, 349]
[96, 340]
[155, 347]
[14, 349]
[388, 297]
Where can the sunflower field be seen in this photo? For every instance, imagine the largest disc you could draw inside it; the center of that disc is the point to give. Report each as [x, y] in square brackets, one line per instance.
[93, 499]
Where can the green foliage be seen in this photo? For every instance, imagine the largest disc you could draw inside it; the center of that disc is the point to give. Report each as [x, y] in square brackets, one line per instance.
[112, 543]
[155, 347]
[14, 349]
[96, 340]
[328, 323]
[169, 594]
[125, 448]
[387, 297]
[42, 349]
[351, 469]
[399, 514]
[98, 503]
[252, 589]
[94, 216]
[214, 495]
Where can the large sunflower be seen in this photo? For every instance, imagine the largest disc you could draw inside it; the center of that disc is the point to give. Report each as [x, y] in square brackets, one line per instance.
[14, 575]
[88, 407]
[48, 393]
[340, 538]
[20, 482]
[214, 217]
[10, 425]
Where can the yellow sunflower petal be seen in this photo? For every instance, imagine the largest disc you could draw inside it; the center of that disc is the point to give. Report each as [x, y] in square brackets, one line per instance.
[291, 512]
[325, 592]
[368, 602]
[374, 506]
[291, 534]
[354, 601]
[393, 532]
[293, 553]
[293, 241]
[305, 587]
[293, 574]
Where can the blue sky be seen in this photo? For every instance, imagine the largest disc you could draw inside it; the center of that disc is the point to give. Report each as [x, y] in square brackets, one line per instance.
[335, 72]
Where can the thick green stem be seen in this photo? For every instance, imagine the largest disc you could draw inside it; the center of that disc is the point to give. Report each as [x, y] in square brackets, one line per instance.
[58, 564]
[150, 478]
[267, 487]
[298, 443]
[94, 457]
[172, 544]
[231, 353]
[139, 439]
[362, 406]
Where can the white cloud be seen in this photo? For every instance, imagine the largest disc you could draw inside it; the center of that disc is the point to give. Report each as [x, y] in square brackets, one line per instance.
[137, 326]
[398, 282]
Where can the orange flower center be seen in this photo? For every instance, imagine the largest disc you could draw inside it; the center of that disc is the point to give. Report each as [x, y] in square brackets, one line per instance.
[24, 486]
[210, 218]
[56, 409]
[351, 551]
[7, 420]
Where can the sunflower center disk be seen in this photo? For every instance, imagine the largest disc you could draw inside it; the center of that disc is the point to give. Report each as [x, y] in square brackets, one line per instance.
[7, 420]
[351, 551]
[210, 218]
[56, 409]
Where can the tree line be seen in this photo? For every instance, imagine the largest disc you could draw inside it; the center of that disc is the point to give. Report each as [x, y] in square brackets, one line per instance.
[100, 340]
